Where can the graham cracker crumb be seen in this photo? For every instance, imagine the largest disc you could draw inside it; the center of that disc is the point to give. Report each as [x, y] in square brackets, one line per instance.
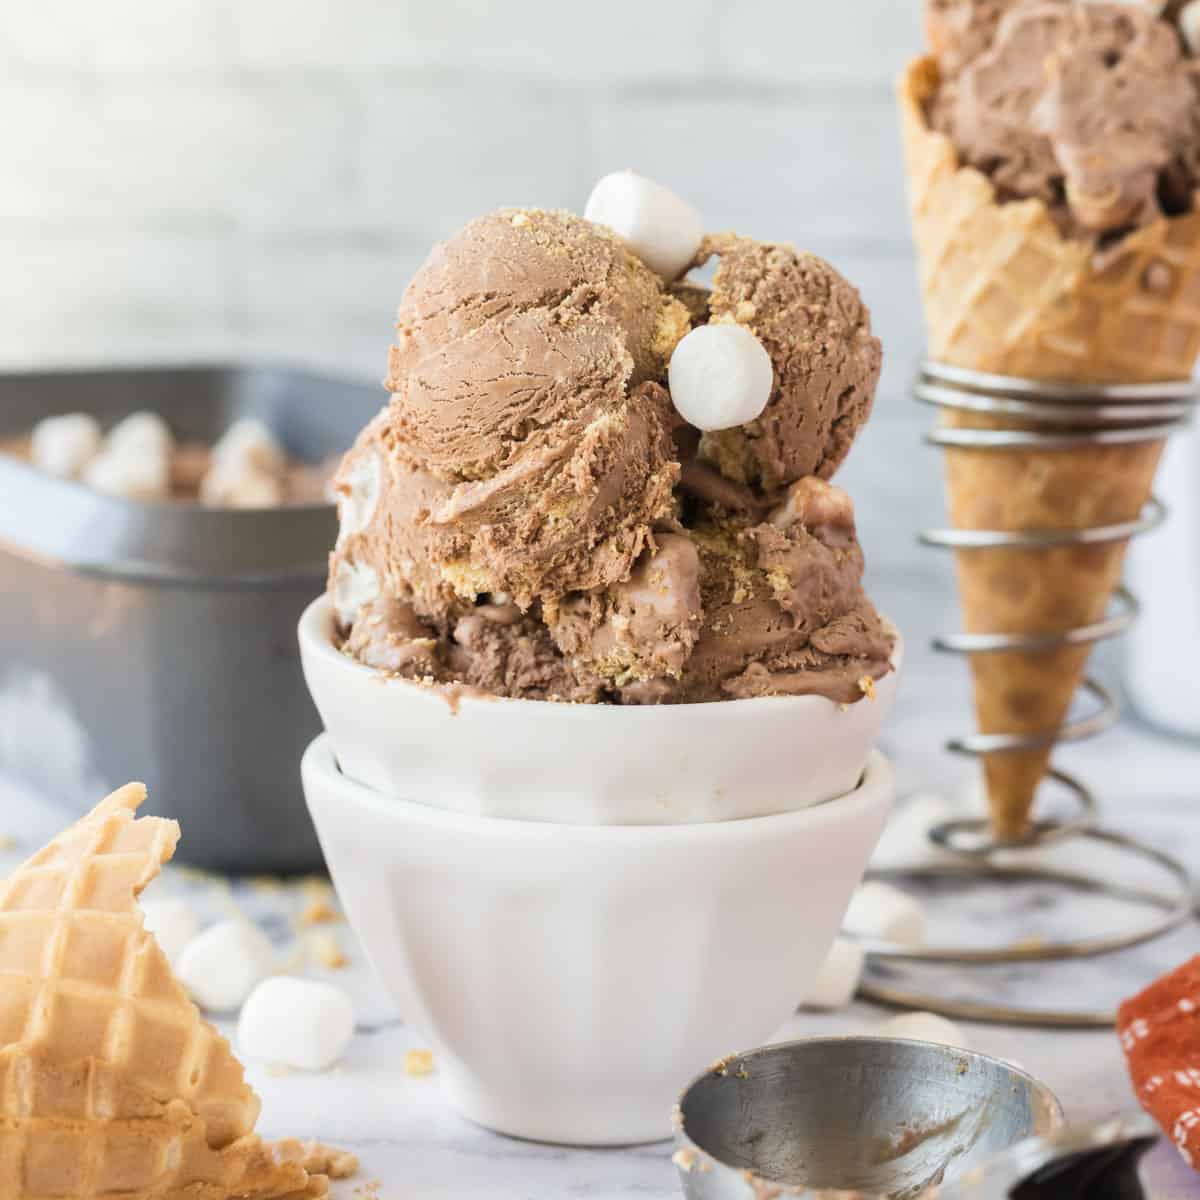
[418, 1062]
[684, 1159]
[328, 952]
[867, 687]
[318, 1159]
[319, 912]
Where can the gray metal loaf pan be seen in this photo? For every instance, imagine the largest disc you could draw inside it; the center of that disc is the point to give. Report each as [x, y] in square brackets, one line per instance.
[158, 641]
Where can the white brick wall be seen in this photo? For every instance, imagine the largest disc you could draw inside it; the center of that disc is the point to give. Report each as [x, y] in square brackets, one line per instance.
[207, 178]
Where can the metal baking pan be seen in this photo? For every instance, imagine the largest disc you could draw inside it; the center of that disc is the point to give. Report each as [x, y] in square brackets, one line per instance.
[157, 641]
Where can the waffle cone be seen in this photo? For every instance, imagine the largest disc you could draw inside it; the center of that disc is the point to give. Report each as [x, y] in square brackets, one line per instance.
[1005, 292]
[111, 1082]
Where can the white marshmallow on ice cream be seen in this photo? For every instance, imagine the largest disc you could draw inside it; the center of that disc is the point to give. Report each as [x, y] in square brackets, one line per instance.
[664, 231]
[880, 911]
[1189, 25]
[297, 1023]
[837, 980]
[720, 376]
[357, 493]
[923, 1027]
[64, 445]
[134, 473]
[354, 586]
[222, 966]
[173, 923]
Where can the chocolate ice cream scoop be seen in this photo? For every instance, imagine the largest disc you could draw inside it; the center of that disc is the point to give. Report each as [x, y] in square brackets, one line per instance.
[1089, 107]
[817, 332]
[516, 333]
[570, 513]
[514, 519]
[784, 608]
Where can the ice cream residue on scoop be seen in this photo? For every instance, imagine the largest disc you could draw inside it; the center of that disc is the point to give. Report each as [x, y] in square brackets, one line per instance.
[538, 521]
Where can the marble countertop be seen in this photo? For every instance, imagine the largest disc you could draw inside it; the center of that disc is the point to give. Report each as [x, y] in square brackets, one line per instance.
[414, 1146]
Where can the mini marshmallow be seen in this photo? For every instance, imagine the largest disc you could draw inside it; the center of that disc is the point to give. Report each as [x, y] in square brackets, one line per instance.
[880, 911]
[134, 473]
[222, 966]
[1189, 25]
[923, 1027]
[664, 231]
[240, 485]
[249, 443]
[720, 377]
[355, 585]
[63, 446]
[296, 1023]
[358, 493]
[173, 923]
[837, 980]
[141, 432]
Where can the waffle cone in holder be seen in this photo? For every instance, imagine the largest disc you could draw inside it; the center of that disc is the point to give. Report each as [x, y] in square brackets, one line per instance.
[111, 1082]
[1005, 293]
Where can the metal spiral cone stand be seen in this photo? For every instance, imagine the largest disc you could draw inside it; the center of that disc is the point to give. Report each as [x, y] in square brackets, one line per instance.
[1076, 417]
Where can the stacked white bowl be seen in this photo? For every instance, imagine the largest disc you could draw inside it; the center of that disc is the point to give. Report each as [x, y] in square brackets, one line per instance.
[582, 905]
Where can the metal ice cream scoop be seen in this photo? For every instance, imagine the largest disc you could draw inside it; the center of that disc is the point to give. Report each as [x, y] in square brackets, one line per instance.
[875, 1117]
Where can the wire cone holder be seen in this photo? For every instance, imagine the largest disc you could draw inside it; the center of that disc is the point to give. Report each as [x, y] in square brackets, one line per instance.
[1004, 415]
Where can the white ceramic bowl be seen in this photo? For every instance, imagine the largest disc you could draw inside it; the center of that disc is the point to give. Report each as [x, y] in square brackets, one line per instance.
[586, 764]
[572, 978]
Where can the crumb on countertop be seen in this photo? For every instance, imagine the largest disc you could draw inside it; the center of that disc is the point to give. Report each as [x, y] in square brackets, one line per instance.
[418, 1062]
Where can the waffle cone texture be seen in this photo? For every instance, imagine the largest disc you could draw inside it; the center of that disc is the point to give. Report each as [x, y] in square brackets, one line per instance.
[111, 1083]
[1005, 293]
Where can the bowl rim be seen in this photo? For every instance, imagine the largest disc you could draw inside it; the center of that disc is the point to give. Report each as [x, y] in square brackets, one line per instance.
[874, 788]
[315, 635]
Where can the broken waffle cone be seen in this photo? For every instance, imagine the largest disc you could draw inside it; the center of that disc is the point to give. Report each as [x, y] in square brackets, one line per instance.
[1005, 293]
[111, 1082]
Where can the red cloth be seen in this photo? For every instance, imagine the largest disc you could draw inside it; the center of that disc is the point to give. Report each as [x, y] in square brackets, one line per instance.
[1160, 1034]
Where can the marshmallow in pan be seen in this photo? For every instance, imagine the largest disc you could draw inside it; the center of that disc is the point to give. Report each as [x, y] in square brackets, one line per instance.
[837, 980]
[135, 473]
[880, 911]
[250, 443]
[142, 432]
[239, 485]
[222, 966]
[247, 468]
[63, 446]
[173, 923]
[297, 1023]
[720, 376]
[662, 230]
[923, 1027]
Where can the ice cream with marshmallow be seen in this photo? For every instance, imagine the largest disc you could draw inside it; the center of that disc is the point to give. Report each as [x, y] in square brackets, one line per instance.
[598, 482]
